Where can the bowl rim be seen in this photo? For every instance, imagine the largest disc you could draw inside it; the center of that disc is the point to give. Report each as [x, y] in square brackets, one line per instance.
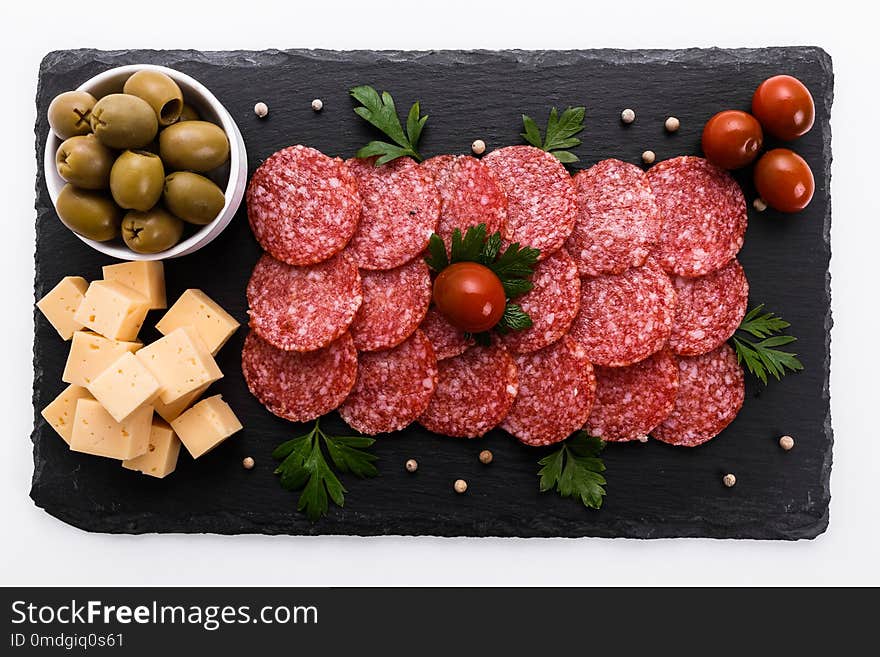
[233, 194]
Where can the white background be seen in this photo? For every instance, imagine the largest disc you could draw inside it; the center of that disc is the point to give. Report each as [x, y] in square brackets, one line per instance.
[37, 549]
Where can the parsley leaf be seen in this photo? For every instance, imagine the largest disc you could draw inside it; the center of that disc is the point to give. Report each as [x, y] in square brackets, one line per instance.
[559, 135]
[574, 470]
[380, 112]
[762, 357]
[304, 466]
[514, 268]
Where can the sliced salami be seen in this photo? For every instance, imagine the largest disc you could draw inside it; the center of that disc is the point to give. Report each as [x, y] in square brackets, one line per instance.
[299, 386]
[393, 387]
[395, 303]
[400, 210]
[556, 391]
[552, 304]
[303, 206]
[617, 222]
[704, 215]
[624, 318]
[541, 205]
[474, 393]
[470, 194]
[303, 308]
[710, 394]
[708, 309]
[630, 401]
[447, 340]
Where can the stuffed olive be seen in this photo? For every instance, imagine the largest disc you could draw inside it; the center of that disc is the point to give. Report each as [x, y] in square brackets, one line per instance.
[85, 162]
[151, 232]
[124, 121]
[88, 213]
[192, 197]
[160, 92]
[136, 180]
[193, 146]
[70, 114]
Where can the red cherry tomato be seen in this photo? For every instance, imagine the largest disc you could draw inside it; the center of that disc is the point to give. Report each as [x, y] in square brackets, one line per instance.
[470, 296]
[784, 107]
[784, 180]
[732, 139]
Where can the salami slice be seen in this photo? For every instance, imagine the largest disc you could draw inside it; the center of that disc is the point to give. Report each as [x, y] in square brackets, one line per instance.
[552, 304]
[474, 393]
[395, 303]
[400, 210]
[470, 194]
[710, 394]
[617, 222]
[393, 387]
[708, 309]
[624, 318]
[447, 340]
[704, 215]
[299, 386]
[556, 391]
[630, 401]
[541, 205]
[303, 206]
[303, 308]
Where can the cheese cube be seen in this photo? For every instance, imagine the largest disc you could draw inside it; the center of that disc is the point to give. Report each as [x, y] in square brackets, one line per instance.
[59, 413]
[90, 354]
[95, 432]
[146, 277]
[181, 363]
[113, 310]
[169, 412]
[60, 304]
[124, 387]
[206, 425]
[160, 459]
[194, 308]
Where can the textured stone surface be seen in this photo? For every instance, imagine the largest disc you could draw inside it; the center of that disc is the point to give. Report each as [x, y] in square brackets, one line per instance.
[653, 490]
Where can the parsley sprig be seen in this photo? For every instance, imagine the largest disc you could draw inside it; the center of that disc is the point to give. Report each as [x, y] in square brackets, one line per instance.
[514, 267]
[559, 135]
[575, 470]
[380, 112]
[762, 357]
[304, 466]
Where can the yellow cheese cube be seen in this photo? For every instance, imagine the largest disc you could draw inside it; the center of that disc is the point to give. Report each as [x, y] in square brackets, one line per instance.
[181, 363]
[59, 413]
[90, 354]
[60, 304]
[206, 425]
[194, 308]
[124, 387]
[146, 277]
[169, 412]
[160, 459]
[113, 310]
[95, 432]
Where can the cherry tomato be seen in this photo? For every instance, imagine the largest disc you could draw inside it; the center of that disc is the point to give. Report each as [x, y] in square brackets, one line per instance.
[470, 296]
[732, 139]
[784, 107]
[784, 180]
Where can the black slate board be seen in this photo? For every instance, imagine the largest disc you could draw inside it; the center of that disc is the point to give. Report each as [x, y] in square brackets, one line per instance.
[653, 490]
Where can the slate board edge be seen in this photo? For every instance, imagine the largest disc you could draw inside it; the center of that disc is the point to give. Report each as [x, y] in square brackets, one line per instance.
[811, 528]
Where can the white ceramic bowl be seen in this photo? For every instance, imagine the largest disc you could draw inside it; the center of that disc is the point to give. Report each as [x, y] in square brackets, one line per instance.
[210, 109]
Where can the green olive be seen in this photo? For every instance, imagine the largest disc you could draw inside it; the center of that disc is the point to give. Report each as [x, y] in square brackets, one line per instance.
[189, 113]
[151, 232]
[124, 121]
[88, 213]
[69, 113]
[193, 146]
[136, 180]
[160, 91]
[85, 162]
[192, 197]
